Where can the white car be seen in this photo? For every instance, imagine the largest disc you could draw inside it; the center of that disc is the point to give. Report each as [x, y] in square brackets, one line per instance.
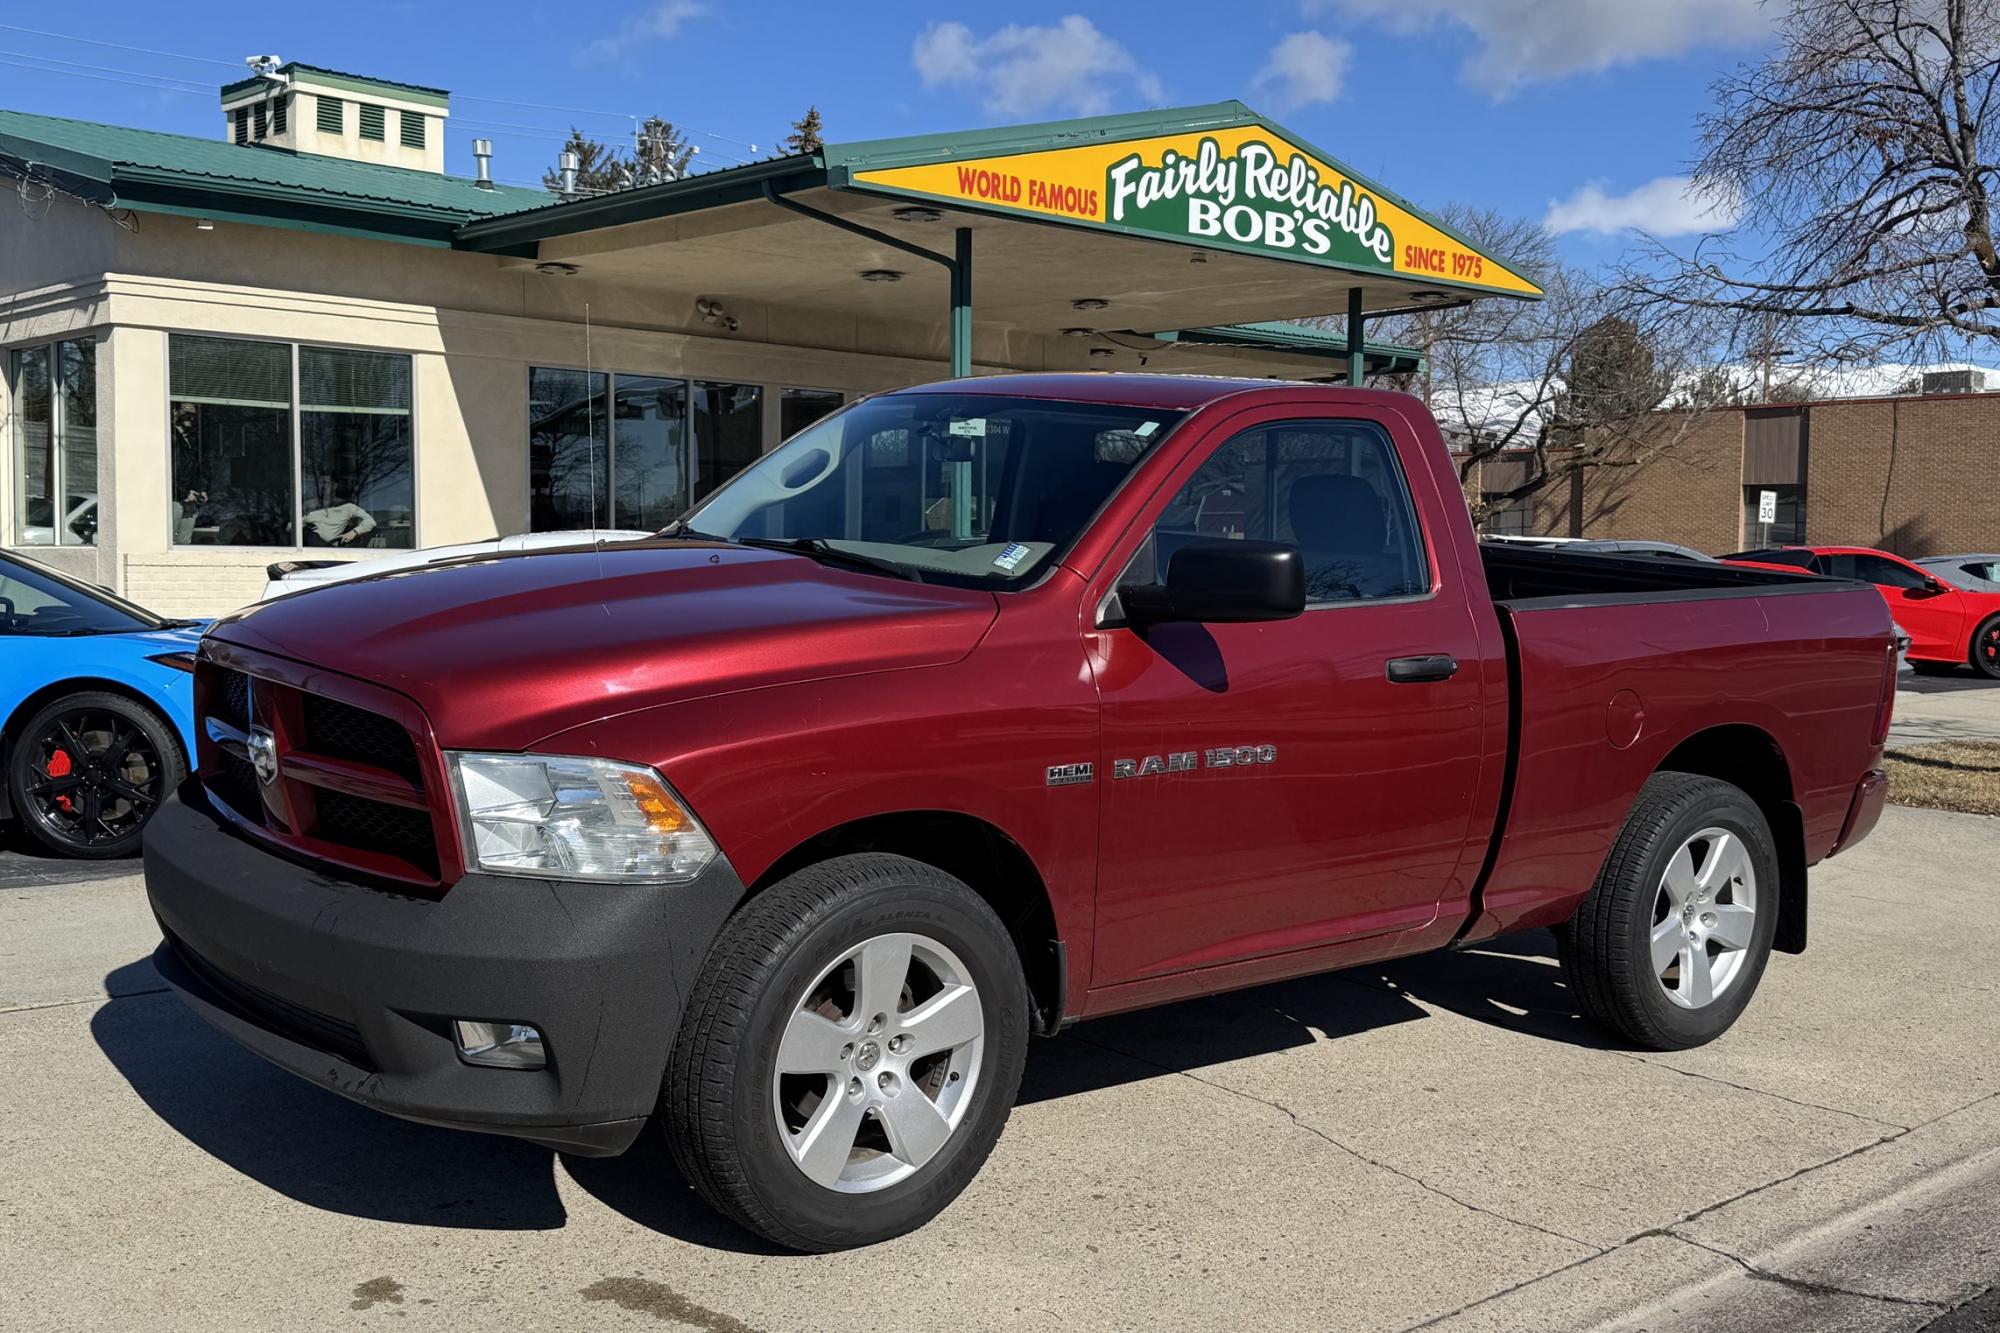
[295, 576]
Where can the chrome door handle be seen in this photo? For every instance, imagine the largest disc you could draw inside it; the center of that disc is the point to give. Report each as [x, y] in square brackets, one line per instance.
[1415, 670]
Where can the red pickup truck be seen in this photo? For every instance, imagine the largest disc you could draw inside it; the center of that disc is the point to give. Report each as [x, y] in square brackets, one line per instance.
[969, 712]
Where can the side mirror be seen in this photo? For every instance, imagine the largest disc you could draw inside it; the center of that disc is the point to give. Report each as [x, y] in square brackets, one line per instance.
[1932, 585]
[1222, 582]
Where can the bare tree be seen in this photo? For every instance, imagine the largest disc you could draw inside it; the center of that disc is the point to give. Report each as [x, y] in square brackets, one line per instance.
[1574, 381]
[1863, 150]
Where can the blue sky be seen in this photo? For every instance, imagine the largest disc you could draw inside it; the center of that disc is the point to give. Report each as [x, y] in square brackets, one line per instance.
[1579, 111]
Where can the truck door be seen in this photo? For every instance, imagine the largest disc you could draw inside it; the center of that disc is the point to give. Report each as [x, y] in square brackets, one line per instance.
[1275, 787]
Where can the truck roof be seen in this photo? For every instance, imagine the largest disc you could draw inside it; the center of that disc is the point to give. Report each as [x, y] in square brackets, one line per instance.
[1184, 392]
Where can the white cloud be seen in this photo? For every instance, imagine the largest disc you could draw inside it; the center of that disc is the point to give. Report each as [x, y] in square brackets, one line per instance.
[1534, 41]
[1304, 67]
[657, 22]
[1025, 70]
[1665, 206]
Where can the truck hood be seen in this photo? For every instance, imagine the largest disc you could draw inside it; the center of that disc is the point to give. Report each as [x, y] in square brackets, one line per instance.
[501, 651]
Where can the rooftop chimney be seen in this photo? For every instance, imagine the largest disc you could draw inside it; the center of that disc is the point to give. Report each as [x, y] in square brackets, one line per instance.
[482, 155]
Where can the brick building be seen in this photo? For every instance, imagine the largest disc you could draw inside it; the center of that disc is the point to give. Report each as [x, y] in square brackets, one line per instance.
[1911, 474]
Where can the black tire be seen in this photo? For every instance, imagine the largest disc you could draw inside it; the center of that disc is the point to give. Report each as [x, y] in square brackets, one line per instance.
[1985, 651]
[128, 760]
[718, 1103]
[1607, 958]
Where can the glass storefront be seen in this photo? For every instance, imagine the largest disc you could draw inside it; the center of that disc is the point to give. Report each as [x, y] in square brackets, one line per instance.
[635, 451]
[237, 469]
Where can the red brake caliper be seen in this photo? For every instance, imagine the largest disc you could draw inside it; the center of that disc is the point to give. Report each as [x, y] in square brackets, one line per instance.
[59, 767]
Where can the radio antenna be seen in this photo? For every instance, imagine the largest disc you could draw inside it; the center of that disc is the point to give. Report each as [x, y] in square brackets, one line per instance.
[590, 415]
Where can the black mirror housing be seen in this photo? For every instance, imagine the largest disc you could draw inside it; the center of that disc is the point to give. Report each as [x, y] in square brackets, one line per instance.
[1222, 582]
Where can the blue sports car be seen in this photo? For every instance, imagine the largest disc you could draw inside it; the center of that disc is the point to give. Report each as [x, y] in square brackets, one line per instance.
[98, 700]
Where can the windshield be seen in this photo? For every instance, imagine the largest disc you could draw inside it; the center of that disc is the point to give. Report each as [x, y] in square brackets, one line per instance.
[964, 488]
[37, 600]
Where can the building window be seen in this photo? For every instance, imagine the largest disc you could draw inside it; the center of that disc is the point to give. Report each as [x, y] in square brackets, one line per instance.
[648, 451]
[1504, 518]
[632, 451]
[728, 432]
[55, 415]
[412, 128]
[355, 446]
[332, 116]
[236, 459]
[372, 122]
[1788, 525]
[243, 124]
[569, 463]
[799, 408]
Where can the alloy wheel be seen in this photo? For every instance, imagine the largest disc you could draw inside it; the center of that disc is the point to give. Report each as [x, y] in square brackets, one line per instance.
[1704, 918]
[93, 777]
[878, 1062]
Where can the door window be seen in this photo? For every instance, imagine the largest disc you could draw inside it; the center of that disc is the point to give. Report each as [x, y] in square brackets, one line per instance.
[1871, 569]
[1331, 488]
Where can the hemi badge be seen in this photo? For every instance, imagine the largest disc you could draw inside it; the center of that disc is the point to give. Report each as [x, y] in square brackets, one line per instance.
[1070, 775]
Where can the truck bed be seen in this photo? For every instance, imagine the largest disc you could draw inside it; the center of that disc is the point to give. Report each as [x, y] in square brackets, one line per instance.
[1619, 666]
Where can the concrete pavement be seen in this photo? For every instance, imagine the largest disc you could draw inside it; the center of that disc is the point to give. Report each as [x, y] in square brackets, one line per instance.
[1963, 706]
[1436, 1143]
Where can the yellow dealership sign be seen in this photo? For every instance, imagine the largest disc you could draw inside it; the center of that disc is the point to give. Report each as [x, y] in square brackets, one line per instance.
[1240, 187]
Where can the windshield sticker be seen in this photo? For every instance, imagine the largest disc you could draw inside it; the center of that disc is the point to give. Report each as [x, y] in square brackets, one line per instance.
[975, 427]
[1012, 555]
[1146, 428]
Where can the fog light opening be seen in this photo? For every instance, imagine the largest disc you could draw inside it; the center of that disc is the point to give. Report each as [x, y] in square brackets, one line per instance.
[500, 1045]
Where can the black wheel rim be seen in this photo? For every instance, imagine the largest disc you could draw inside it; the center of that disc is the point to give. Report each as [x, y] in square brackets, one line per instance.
[93, 777]
[1989, 648]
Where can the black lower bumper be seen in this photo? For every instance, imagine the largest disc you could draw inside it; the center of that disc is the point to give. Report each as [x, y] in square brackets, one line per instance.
[356, 989]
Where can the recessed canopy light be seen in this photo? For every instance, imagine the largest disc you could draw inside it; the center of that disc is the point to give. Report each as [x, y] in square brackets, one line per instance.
[881, 275]
[916, 213]
[1089, 303]
[1430, 296]
[556, 269]
[1101, 352]
[1078, 332]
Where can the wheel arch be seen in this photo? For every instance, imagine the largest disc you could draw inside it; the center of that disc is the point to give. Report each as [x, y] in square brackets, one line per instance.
[982, 856]
[1751, 759]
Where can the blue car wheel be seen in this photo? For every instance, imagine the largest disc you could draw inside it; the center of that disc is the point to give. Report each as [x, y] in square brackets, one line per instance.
[89, 769]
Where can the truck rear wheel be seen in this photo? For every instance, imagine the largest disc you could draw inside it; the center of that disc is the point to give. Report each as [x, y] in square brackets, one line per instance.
[849, 1054]
[1672, 941]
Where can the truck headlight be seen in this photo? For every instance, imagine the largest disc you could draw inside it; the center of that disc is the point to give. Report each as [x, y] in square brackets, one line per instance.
[564, 817]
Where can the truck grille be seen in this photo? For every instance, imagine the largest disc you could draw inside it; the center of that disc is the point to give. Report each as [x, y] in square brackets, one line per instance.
[350, 787]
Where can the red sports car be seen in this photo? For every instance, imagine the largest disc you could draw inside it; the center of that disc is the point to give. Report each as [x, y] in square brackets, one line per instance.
[1948, 624]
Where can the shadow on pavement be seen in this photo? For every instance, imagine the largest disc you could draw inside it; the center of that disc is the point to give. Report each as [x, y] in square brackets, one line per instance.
[323, 1151]
[1959, 680]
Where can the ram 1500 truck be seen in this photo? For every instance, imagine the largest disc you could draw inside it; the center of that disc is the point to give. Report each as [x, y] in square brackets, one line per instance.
[968, 712]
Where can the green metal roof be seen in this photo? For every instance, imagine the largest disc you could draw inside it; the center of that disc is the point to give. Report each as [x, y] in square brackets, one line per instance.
[1298, 339]
[177, 173]
[414, 92]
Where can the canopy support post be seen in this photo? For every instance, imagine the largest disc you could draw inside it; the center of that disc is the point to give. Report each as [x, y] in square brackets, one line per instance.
[1356, 360]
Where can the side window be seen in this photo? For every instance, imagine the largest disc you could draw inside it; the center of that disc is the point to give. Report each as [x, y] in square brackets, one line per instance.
[1331, 488]
[1889, 573]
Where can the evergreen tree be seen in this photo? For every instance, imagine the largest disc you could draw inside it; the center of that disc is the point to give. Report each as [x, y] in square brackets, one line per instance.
[805, 135]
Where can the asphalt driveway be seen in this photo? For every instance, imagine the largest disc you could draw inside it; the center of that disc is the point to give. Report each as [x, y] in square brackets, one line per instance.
[1440, 1142]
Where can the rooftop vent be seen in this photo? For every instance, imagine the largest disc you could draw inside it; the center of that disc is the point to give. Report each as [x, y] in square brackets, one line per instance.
[1954, 381]
[310, 110]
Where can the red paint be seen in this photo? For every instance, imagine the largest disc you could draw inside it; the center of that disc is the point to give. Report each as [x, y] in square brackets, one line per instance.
[1940, 623]
[784, 699]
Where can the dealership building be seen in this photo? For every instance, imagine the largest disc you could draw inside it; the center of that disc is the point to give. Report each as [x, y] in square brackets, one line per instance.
[301, 336]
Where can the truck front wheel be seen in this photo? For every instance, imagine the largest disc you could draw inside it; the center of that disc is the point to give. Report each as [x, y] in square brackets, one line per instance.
[849, 1054]
[1672, 941]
